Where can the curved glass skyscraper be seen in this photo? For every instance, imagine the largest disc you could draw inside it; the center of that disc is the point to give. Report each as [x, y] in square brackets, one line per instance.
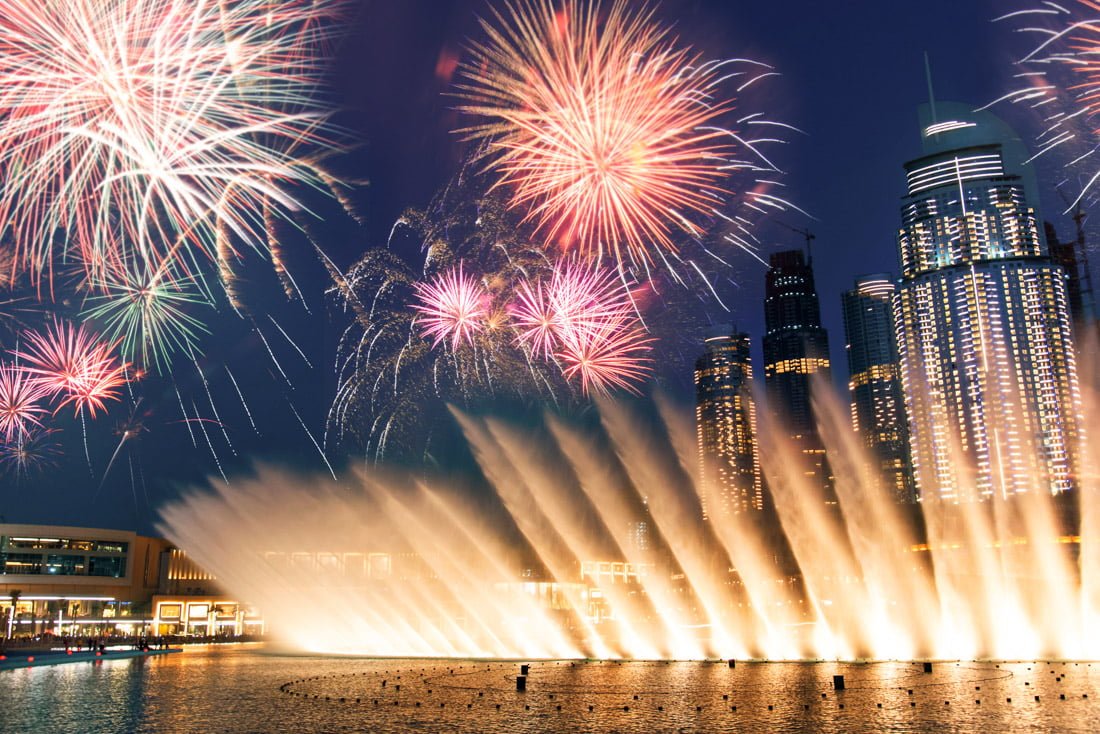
[983, 322]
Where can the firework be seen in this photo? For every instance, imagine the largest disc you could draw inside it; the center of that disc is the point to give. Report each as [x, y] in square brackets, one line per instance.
[128, 125]
[32, 451]
[1060, 80]
[146, 312]
[606, 131]
[21, 396]
[453, 306]
[577, 300]
[614, 356]
[73, 364]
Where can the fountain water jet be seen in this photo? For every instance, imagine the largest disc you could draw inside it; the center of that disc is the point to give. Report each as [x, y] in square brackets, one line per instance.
[592, 543]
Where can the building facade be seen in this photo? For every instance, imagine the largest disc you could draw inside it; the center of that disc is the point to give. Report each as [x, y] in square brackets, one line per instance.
[874, 388]
[796, 354]
[77, 582]
[983, 321]
[725, 425]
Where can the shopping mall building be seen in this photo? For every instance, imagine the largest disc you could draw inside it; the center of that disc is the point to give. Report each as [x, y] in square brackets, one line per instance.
[83, 582]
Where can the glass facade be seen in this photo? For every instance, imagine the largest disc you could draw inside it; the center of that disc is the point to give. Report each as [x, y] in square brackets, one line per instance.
[983, 331]
[62, 557]
[796, 348]
[877, 403]
[725, 422]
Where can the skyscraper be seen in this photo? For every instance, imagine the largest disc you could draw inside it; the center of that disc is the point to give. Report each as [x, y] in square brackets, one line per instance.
[725, 425]
[878, 406]
[1065, 253]
[983, 323]
[796, 348]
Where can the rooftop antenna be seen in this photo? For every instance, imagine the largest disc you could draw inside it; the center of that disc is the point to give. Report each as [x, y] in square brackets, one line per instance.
[931, 93]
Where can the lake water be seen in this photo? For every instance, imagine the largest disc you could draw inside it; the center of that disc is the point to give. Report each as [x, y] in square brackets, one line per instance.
[246, 688]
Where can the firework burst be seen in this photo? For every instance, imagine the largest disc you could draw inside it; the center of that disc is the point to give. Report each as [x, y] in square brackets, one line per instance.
[606, 131]
[453, 306]
[616, 355]
[21, 398]
[71, 363]
[128, 124]
[148, 314]
[585, 319]
[31, 452]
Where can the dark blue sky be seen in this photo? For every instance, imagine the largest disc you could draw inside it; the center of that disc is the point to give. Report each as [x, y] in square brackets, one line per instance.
[852, 77]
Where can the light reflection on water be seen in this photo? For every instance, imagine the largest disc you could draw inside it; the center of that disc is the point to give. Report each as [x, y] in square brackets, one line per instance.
[244, 689]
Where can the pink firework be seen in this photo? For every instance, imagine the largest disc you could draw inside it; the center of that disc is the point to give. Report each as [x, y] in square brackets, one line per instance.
[20, 398]
[579, 300]
[452, 306]
[70, 362]
[535, 318]
[613, 356]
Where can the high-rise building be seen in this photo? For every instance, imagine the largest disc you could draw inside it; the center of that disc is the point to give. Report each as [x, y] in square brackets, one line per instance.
[796, 348]
[1065, 253]
[725, 424]
[878, 406]
[983, 319]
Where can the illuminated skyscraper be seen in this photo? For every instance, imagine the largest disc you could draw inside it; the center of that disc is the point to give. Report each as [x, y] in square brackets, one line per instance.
[983, 320]
[725, 425]
[796, 348]
[878, 406]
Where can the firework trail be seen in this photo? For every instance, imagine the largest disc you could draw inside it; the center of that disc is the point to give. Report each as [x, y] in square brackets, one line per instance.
[1060, 80]
[71, 362]
[128, 124]
[21, 398]
[608, 133]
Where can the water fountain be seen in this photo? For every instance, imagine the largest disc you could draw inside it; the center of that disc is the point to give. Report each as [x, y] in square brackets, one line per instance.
[592, 544]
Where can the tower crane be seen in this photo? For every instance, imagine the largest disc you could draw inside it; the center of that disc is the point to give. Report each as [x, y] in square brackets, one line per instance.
[810, 237]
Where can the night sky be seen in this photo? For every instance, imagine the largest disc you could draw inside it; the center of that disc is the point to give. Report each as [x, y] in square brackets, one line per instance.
[852, 76]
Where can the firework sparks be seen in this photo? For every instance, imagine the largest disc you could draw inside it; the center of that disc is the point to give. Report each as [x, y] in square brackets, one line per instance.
[1060, 80]
[606, 131]
[146, 312]
[28, 453]
[578, 299]
[614, 356]
[127, 124]
[72, 363]
[453, 307]
[21, 396]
